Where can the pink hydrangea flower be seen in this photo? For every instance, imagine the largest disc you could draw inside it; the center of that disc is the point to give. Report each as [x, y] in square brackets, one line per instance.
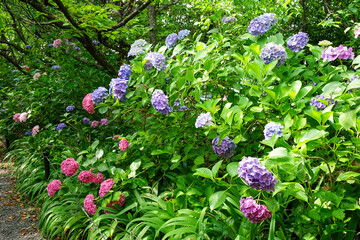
[105, 187]
[57, 42]
[69, 167]
[87, 176]
[104, 121]
[89, 205]
[123, 144]
[357, 32]
[254, 212]
[88, 104]
[345, 53]
[53, 187]
[23, 117]
[99, 178]
[94, 124]
[35, 130]
[16, 117]
[329, 54]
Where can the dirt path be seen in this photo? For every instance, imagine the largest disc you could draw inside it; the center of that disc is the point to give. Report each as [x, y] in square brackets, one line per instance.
[16, 222]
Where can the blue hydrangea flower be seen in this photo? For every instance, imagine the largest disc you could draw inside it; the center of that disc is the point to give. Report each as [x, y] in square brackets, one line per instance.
[225, 149]
[50, 45]
[15, 71]
[18, 79]
[98, 95]
[160, 102]
[203, 119]
[255, 175]
[229, 19]
[156, 60]
[271, 52]
[183, 33]
[118, 88]
[262, 24]
[60, 126]
[183, 108]
[70, 108]
[28, 133]
[86, 120]
[171, 40]
[177, 103]
[124, 72]
[297, 42]
[95, 42]
[318, 104]
[273, 128]
[28, 46]
[137, 47]
[55, 67]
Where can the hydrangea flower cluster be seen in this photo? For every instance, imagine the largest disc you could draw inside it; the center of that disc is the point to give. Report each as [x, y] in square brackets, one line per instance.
[254, 212]
[57, 42]
[262, 24]
[35, 130]
[36, 76]
[271, 52]
[89, 205]
[99, 178]
[160, 102]
[60, 126]
[105, 187]
[123, 144]
[137, 47]
[69, 167]
[23, 117]
[70, 108]
[120, 202]
[318, 104]
[118, 88]
[273, 128]
[28, 133]
[104, 121]
[225, 149]
[183, 33]
[95, 42]
[53, 187]
[94, 124]
[125, 72]
[86, 120]
[99, 94]
[255, 175]
[88, 104]
[28, 46]
[55, 67]
[203, 119]
[171, 40]
[156, 60]
[357, 32]
[86, 176]
[298, 41]
[341, 52]
[229, 19]
[16, 117]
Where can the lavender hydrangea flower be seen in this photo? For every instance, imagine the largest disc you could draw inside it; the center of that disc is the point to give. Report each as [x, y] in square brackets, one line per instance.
[225, 149]
[254, 212]
[86, 120]
[183, 33]
[156, 60]
[203, 119]
[124, 72]
[70, 108]
[345, 53]
[28, 46]
[60, 126]
[99, 94]
[255, 175]
[118, 88]
[341, 52]
[160, 102]
[55, 67]
[171, 40]
[271, 52]
[137, 47]
[177, 103]
[229, 19]
[298, 41]
[273, 128]
[318, 104]
[183, 108]
[28, 133]
[262, 24]
[95, 42]
[50, 45]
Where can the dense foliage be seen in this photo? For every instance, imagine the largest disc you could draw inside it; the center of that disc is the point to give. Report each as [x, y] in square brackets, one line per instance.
[232, 126]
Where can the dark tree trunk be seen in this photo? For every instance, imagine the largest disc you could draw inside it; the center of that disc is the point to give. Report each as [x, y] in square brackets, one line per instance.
[152, 23]
[303, 24]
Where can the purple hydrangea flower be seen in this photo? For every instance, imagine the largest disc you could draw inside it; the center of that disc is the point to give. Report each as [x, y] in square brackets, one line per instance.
[183, 33]
[254, 212]
[28, 133]
[50, 45]
[95, 42]
[86, 120]
[98, 95]
[271, 52]
[124, 72]
[118, 88]
[160, 102]
[15, 71]
[225, 149]
[341, 52]
[28, 46]
[156, 60]
[55, 67]
[171, 40]
[273, 128]
[60, 126]
[318, 104]
[183, 108]
[229, 19]
[70, 108]
[177, 103]
[203, 119]
[345, 53]
[297, 42]
[137, 47]
[255, 175]
[262, 24]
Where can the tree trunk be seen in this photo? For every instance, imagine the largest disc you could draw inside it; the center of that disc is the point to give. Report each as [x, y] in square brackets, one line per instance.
[152, 23]
[303, 24]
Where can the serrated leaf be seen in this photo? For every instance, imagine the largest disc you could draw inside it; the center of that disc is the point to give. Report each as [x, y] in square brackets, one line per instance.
[217, 199]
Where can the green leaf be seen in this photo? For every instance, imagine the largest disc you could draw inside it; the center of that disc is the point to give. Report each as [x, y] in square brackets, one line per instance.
[232, 168]
[99, 153]
[190, 75]
[279, 153]
[103, 110]
[94, 144]
[338, 213]
[332, 87]
[272, 227]
[354, 84]
[204, 172]
[217, 199]
[347, 175]
[199, 160]
[215, 168]
[200, 54]
[348, 119]
[309, 135]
